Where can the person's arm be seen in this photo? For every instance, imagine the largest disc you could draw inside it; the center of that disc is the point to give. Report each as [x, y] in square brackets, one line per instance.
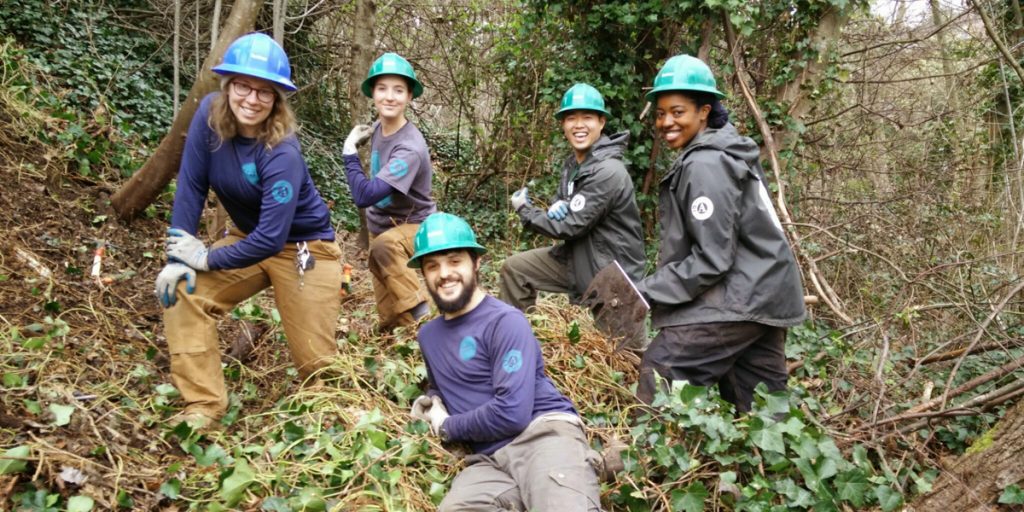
[711, 203]
[587, 206]
[365, 191]
[281, 175]
[193, 174]
[515, 353]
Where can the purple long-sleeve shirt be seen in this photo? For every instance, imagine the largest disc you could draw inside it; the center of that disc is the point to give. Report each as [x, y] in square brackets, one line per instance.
[487, 367]
[269, 194]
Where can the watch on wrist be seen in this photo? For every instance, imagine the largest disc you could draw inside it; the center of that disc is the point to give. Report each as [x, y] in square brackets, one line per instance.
[443, 434]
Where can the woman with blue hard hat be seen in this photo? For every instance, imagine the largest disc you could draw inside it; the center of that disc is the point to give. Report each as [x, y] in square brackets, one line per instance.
[726, 285]
[398, 193]
[242, 144]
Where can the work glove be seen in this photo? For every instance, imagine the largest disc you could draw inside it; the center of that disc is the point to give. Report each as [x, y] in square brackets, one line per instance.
[559, 210]
[167, 282]
[520, 198]
[437, 414]
[421, 407]
[187, 249]
[357, 136]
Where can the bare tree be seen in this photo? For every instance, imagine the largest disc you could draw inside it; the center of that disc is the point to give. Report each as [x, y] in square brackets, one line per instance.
[362, 53]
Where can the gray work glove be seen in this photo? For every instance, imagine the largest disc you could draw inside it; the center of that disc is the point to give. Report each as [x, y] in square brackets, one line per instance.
[519, 199]
[167, 282]
[559, 210]
[421, 406]
[187, 249]
[357, 136]
[437, 414]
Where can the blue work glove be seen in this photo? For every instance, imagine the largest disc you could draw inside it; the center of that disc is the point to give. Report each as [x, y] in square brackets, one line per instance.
[167, 282]
[357, 136]
[187, 249]
[559, 210]
[520, 198]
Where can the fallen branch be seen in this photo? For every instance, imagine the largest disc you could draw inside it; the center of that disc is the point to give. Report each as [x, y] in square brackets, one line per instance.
[953, 354]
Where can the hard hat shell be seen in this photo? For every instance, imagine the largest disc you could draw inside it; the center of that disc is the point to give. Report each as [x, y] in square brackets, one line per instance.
[684, 73]
[257, 55]
[391, 64]
[441, 232]
[581, 97]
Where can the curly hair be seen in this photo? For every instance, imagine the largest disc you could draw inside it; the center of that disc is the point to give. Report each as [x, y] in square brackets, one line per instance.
[279, 124]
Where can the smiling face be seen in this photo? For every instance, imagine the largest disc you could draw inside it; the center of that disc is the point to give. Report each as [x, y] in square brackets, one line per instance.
[391, 94]
[451, 280]
[678, 119]
[251, 100]
[582, 128]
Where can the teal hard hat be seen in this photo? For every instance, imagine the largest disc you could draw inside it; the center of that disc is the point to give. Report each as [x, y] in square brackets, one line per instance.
[684, 73]
[391, 64]
[581, 97]
[257, 55]
[441, 232]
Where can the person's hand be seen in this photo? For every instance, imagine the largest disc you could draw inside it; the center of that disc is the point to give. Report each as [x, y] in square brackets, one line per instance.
[357, 136]
[187, 249]
[437, 414]
[167, 282]
[559, 210]
[421, 408]
[520, 198]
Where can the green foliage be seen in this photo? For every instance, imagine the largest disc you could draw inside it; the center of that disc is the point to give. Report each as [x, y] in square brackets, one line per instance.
[774, 456]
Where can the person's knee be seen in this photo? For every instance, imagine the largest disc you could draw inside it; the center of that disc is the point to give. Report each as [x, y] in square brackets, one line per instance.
[381, 253]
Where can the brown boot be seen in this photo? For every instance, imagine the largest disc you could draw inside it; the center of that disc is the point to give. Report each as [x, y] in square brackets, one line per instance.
[612, 458]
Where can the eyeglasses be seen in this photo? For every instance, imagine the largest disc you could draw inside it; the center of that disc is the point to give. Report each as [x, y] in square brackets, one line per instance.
[243, 90]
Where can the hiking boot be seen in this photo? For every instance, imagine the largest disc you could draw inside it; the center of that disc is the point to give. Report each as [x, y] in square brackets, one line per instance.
[611, 456]
[197, 421]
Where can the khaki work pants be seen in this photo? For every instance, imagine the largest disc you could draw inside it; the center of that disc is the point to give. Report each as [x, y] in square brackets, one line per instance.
[550, 467]
[526, 273]
[309, 315]
[396, 287]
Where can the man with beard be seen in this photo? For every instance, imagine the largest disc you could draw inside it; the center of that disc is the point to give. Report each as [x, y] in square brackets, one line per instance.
[487, 388]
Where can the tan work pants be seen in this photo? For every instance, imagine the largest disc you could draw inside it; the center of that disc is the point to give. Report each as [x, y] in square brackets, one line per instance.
[396, 287]
[309, 315]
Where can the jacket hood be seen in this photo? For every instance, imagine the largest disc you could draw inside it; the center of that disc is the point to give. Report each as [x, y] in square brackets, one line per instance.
[610, 146]
[728, 140]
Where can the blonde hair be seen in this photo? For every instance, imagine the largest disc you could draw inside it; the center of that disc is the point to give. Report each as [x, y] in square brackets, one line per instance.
[279, 124]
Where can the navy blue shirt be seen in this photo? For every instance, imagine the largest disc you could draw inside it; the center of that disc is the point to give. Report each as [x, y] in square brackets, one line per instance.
[488, 369]
[268, 193]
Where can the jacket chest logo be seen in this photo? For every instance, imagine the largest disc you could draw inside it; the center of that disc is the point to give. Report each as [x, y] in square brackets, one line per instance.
[702, 208]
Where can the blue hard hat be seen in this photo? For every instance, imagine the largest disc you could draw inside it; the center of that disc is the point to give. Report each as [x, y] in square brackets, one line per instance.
[257, 55]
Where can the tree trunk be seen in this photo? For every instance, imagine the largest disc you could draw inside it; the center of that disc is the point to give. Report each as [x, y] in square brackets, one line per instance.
[145, 185]
[975, 480]
[362, 53]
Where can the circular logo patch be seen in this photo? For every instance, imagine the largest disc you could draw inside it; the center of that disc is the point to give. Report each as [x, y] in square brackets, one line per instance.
[282, 191]
[513, 361]
[249, 171]
[467, 349]
[577, 203]
[702, 208]
[398, 167]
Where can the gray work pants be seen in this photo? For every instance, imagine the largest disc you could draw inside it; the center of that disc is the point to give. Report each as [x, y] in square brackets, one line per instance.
[526, 273]
[550, 467]
[734, 355]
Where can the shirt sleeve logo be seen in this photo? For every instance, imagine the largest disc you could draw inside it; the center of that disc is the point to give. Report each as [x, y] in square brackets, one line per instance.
[467, 349]
[282, 191]
[249, 171]
[398, 168]
[374, 163]
[577, 203]
[702, 208]
[513, 361]
[383, 203]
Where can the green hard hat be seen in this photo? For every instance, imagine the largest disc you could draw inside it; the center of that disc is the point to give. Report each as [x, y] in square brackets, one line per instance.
[441, 232]
[684, 73]
[581, 97]
[391, 64]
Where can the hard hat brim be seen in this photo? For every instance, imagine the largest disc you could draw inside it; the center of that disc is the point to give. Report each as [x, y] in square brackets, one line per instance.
[562, 112]
[652, 95]
[415, 260]
[233, 69]
[367, 86]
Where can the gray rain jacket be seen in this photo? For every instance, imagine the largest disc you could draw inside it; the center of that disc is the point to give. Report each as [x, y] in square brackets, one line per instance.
[723, 256]
[603, 223]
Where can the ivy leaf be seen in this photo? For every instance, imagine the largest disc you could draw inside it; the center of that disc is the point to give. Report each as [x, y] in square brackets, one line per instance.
[80, 504]
[888, 499]
[12, 461]
[852, 486]
[211, 455]
[690, 499]
[1012, 495]
[62, 414]
[793, 426]
[233, 487]
[768, 439]
[574, 332]
[171, 488]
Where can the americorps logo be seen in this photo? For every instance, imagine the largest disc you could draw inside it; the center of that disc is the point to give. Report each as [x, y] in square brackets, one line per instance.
[282, 191]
